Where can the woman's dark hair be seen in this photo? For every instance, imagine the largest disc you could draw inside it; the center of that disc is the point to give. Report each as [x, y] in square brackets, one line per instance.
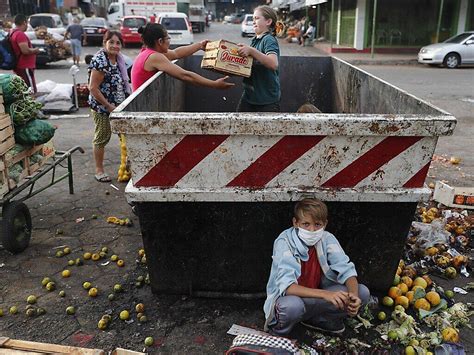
[152, 32]
[109, 34]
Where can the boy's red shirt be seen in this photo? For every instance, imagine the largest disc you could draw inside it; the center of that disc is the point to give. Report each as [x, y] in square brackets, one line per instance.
[310, 270]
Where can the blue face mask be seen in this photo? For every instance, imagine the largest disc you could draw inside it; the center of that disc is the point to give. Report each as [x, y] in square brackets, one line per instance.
[310, 238]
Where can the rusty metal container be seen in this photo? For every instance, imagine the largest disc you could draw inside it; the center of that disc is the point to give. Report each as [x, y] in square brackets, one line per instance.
[214, 188]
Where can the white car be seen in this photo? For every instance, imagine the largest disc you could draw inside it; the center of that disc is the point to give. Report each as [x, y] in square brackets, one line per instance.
[455, 51]
[247, 26]
[52, 21]
[178, 26]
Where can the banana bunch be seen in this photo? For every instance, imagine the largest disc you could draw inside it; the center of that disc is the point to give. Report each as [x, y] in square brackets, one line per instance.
[123, 173]
[119, 221]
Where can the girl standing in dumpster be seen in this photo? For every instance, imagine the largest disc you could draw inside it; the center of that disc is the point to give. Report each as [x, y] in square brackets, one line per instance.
[156, 56]
[108, 87]
[262, 88]
[312, 280]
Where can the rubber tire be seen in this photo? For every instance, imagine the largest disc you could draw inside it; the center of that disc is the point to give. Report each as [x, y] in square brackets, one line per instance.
[452, 55]
[16, 238]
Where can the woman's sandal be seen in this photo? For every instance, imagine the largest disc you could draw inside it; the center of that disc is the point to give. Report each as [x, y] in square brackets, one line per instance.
[103, 177]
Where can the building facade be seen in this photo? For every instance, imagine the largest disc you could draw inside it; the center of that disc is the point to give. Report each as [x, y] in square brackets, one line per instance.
[399, 25]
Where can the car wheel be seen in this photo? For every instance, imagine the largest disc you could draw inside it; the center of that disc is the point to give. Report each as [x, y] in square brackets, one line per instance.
[452, 60]
[243, 34]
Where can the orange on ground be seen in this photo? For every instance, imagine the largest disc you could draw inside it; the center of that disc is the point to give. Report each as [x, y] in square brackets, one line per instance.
[394, 292]
[399, 270]
[402, 301]
[410, 295]
[422, 303]
[419, 281]
[407, 281]
[433, 297]
[403, 287]
[428, 280]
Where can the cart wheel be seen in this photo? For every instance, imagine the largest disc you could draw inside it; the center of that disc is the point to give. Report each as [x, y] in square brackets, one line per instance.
[16, 227]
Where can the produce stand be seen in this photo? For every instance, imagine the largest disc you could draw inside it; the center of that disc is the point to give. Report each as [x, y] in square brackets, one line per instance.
[16, 223]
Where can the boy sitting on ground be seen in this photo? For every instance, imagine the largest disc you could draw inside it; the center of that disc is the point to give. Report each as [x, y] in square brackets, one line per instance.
[312, 280]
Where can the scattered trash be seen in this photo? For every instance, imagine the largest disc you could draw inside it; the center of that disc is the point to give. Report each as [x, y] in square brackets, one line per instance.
[80, 219]
[238, 329]
[460, 290]
[115, 187]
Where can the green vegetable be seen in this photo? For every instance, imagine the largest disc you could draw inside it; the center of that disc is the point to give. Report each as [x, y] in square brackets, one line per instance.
[24, 110]
[13, 87]
[34, 132]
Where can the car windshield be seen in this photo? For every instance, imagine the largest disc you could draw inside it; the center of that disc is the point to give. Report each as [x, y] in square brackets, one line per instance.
[93, 22]
[134, 22]
[249, 19]
[458, 38]
[36, 21]
[174, 23]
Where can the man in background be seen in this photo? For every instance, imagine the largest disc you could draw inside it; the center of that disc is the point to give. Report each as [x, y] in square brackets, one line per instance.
[24, 52]
[76, 33]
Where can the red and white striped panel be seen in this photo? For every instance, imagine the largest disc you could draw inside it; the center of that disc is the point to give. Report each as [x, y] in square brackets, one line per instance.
[290, 162]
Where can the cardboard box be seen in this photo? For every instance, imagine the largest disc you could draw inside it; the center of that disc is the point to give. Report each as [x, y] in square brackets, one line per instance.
[459, 197]
[222, 56]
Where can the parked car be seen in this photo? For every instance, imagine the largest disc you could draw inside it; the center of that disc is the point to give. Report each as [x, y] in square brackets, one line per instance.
[52, 21]
[129, 26]
[229, 18]
[94, 28]
[234, 18]
[455, 51]
[247, 26]
[178, 26]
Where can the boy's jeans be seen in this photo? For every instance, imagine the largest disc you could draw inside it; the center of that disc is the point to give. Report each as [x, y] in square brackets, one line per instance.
[290, 310]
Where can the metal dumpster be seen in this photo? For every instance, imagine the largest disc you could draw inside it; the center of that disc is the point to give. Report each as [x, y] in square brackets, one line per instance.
[214, 188]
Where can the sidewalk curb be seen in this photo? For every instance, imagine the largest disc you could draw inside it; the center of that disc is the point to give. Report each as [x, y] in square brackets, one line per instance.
[381, 62]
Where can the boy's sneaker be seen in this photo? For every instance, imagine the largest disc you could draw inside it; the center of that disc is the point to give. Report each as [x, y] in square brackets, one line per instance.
[333, 327]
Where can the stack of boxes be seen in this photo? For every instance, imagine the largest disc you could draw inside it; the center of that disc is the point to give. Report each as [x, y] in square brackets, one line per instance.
[14, 157]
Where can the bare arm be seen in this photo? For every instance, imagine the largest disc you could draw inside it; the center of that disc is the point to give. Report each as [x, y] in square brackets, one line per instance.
[185, 51]
[97, 78]
[27, 50]
[270, 60]
[338, 299]
[160, 62]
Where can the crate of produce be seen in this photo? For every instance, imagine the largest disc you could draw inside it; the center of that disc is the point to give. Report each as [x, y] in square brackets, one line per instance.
[223, 56]
[21, 162]
[7, 140]
[40, 156]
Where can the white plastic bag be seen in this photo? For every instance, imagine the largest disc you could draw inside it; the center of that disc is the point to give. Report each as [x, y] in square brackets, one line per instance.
[432, 233]
[61, 92]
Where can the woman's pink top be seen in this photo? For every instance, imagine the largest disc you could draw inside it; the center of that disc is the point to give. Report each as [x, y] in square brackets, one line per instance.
[139, 74]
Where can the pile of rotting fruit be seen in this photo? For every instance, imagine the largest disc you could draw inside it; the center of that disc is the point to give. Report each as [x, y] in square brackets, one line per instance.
[417, 315]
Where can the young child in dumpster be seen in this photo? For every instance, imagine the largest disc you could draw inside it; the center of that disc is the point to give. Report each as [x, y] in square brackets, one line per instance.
[262, 89]
[312, 280]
